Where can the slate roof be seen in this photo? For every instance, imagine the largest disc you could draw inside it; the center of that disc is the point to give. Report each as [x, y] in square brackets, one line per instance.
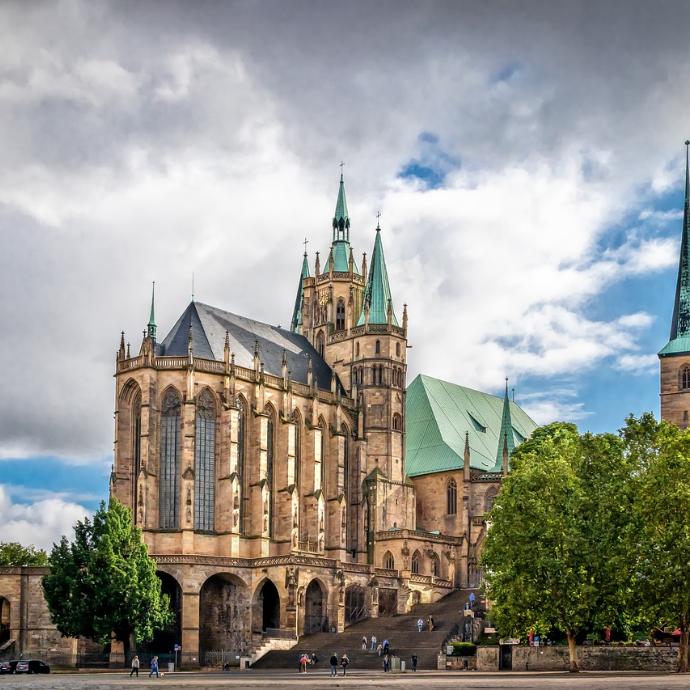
[439, 413]
[679, 339]
[208, 341]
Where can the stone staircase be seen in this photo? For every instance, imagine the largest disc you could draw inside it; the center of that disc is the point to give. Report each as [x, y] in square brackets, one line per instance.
[270, 644]
[400, 631]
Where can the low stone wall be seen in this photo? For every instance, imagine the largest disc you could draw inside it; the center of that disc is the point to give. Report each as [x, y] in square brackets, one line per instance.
[590, 658]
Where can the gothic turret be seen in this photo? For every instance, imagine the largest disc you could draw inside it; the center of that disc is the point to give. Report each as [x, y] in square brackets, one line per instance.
[296, 324]
[377, 296]
[151, 327]
[506, 437]
[339, 256]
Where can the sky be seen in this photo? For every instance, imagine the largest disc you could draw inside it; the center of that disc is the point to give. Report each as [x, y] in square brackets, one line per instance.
[527, 159]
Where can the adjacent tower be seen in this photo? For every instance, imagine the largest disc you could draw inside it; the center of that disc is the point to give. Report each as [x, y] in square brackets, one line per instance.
[674, 358]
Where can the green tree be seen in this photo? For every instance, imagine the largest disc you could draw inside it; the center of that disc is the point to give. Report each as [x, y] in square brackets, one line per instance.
[14, 554]
[553, 527]
[104, 583]
[659, 533]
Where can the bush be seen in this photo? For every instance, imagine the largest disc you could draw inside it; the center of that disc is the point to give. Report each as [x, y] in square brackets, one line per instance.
[464, 649]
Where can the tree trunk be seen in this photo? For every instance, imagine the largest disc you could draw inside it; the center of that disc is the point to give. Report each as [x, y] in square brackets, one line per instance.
[572, 651]
[683, 651]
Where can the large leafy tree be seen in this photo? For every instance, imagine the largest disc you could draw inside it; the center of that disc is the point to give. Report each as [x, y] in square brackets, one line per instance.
[659, 532]
[103, 583]
[14, 554]
[554, 524]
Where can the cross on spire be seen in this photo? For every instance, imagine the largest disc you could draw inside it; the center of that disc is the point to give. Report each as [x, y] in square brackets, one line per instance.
[305, 243]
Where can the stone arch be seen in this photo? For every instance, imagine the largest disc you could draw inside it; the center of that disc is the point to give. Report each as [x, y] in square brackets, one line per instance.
[223, 616]
[129, 438]
[265, 606]
[129, 390]
[164, 641]
[5, 620]
[315, 607]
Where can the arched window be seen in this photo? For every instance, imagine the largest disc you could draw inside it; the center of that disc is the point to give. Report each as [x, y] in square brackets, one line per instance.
[340, 315]
[397, 422]
[241, 463]
[684, 378]
[377, 348]
[356, 349]
[136, 449]
[324, 430]
[346, 464]
[320, 343]
[205, 462]
[452, 498]
[270, 453]
[416, 563]
[388, 561]
[435, 565]
[397, 349]
[298, 450]
[169, 491]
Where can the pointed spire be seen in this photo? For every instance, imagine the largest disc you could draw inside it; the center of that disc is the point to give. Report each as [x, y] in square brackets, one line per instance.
[317, 265]
[121, 351]
[506, 437]
[466, 458]
[680, 324]
[341, 219]
[296, 323]
[151, 327]
[404, 319]
[378, 292]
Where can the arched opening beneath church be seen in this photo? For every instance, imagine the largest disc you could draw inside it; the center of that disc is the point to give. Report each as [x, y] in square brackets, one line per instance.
[164, 641]
[354, 604]
[266, 609]
[4, 620]
[315, 618]
[223, 619]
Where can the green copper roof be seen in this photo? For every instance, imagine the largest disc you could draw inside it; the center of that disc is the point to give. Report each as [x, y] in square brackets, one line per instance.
[151, 328]
[378, 292]
[439, 413]
[296, 324]
[341, 220]
[341, 258]
[680, 323]
[505, 434]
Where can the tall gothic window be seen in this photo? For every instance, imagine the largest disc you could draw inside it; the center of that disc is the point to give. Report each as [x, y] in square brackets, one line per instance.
[270, 451]
[136, 450]
[397, 422]
[324, 429]
[340, 316]
[357, 350]
[452, 497]
[388, 561]
[241, 454]
[377, 347]
[320, 343]
[684, 377]
[416, 563]
[298, 450]
[397, 349]
[205, 463]
[169, 493]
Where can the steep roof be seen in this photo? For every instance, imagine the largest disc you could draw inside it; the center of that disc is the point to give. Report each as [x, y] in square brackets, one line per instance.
[438, 414]
[209, 325]
[506, 437]
[679, 339]
[378, 291]
[341, 258]
[341, 207]
[296, 324]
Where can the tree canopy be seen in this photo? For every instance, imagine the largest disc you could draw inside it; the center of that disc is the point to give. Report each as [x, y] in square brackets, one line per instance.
[103, 583]
[14, 554]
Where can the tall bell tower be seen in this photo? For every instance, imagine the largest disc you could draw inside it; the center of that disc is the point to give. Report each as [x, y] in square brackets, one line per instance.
[674, 357]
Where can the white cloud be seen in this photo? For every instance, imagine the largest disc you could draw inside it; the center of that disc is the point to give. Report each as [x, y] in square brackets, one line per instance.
[638, 364]
[41, 522]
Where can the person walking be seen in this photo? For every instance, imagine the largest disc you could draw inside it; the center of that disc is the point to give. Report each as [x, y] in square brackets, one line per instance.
[334, 664]
[344, 662]
[420, 624]
[386, 646]
[365, 643]
[135, 667]
[386, 663]
[373, 643]
[414, 662]
[154, 667]
[379, 650]
[303, 663]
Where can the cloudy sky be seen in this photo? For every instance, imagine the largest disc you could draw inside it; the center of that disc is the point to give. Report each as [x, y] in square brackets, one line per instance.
[527, 159]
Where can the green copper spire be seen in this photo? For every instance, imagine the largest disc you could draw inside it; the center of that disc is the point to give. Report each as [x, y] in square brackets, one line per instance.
[296, 324]
[341, 220]
[151, 328]
[506, 437]
[377, 296]
[679, 340]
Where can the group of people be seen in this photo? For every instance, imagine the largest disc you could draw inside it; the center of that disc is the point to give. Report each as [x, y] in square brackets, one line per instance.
[429, 624]
[136, 664]
[380, 649]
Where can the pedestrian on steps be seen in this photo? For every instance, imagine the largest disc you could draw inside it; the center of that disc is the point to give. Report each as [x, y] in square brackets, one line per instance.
[344, 662]
[334, 664]
[303, 663]
[365, 643]
[420, 624]
[414, 662]
[386, 663]
[373, 643]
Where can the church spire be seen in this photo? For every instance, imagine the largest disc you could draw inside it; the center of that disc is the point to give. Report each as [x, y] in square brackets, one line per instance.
[341, 219]
[377, 296]
[506, 437]
[296, 324]
[339, 256]
[151, 327]
[679, 339]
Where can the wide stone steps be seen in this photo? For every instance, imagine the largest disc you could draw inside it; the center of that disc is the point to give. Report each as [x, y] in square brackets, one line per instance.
[401, 632]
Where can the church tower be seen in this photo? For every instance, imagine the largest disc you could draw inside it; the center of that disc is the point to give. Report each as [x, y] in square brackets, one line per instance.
[674, 358]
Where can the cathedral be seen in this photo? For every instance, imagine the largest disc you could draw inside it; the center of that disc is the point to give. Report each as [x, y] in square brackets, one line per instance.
[288, 481]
